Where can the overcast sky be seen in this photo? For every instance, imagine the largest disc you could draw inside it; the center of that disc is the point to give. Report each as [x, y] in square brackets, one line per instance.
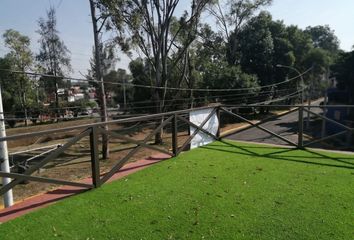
[74, 22]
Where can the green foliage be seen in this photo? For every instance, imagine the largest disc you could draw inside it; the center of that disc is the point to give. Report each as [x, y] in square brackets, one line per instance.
[320, 61]
[53, 55]
[324, 37]
[319, 58]
[222, 75]
[225, 190]
[244, 9]
[18, 88]
[114, 81]
[343, 71]
[231, 16]
[8, 89]
[211, 47]
[164, 41]
[257, 48]
[301, 44]
[141, 75]
[20, 54]
[108, 61]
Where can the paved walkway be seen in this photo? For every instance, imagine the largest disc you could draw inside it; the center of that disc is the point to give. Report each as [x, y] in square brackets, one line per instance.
[42, 200]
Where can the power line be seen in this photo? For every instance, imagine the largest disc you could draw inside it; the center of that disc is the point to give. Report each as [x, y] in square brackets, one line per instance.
[167, 88]
[289, 96]
[201, 101]
[220, 98]
[294, 94]
[207, 97]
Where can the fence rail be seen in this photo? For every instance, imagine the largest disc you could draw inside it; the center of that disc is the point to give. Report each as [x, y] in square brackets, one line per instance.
[95, 130]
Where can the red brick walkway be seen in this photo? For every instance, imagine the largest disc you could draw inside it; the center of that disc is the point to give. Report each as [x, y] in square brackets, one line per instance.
[43, 200]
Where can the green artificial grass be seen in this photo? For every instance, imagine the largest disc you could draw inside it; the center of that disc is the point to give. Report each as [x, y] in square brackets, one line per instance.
[226, 190]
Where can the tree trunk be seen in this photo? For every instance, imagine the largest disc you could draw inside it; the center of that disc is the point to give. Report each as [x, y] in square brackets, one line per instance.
[23, 100]
[104, 116]
[156, 100]
[57, 113]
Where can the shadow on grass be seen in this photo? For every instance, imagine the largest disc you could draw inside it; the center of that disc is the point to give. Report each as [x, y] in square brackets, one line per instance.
[245, 150]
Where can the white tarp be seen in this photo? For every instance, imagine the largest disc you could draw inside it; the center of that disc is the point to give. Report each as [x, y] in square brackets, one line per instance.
[197, 117]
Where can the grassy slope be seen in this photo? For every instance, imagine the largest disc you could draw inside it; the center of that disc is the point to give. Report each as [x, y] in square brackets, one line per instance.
[224, 191]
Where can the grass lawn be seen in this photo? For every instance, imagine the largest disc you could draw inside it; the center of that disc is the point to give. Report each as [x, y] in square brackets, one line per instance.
[226, 190]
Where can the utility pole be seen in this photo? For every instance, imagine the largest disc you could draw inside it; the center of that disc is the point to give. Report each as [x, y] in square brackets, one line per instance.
[99, 78]
[4, 157]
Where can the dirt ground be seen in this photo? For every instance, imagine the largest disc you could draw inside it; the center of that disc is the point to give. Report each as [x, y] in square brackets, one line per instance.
[74, 164]
[41, 127]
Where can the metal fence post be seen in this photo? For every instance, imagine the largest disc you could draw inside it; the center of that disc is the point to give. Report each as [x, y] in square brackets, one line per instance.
[95, 164]
[174, 135]
[301, 127]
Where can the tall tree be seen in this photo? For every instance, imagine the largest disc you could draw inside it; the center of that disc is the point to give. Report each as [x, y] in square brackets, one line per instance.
[98, 70]
[231, 16]
[146, 25]
[256, 48]
[53, 56]
[21, 59]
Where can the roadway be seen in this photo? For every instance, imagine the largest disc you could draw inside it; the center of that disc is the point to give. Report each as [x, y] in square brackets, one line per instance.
[286, 126]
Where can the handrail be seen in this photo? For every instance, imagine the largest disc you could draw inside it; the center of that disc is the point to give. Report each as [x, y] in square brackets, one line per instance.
[286, 106]
[152, 116]
[93, 131]
[99, 124]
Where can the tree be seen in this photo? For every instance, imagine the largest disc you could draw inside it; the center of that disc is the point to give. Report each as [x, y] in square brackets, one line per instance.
[343, 72]
[231, 21]
[116, 86]
[256, 48]
[221, 75]
[323, 37]
[20, 58]
[324, 54]
[141, 75]
[107, 60]
[301, 45]
[8, 88]
[211, 70]
[146, 25]
[283, 53]
[98, 47]
[53, 56]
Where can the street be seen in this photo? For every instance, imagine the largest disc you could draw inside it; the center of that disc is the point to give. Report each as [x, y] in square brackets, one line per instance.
[286, 126]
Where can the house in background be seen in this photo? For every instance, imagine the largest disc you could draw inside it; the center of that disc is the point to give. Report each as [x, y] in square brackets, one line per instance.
[75, 93]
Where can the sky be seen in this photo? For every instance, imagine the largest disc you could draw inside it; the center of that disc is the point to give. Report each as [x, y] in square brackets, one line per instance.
[75, 27]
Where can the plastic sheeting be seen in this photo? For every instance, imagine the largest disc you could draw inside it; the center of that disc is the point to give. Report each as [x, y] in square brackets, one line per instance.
[197, 117]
